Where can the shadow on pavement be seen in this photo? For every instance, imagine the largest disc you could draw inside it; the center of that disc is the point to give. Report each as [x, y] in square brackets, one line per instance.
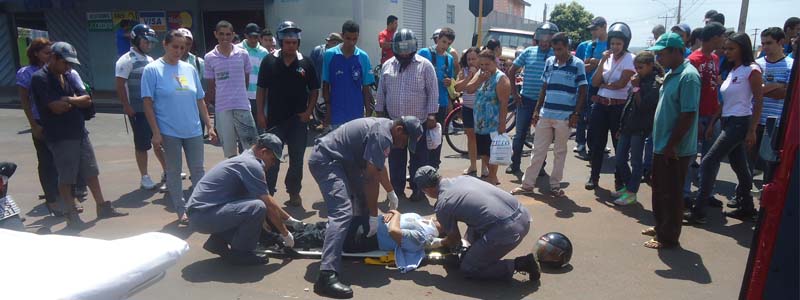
[136, 198]
[180, 232]
[217, 270]
[683, 265]
[566, 269]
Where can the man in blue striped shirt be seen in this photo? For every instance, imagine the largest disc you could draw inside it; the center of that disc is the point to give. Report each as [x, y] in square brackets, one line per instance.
[557, 111]
[533, 60]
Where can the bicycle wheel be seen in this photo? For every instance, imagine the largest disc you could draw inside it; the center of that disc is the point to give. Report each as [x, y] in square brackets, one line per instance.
[511, 116]
[454, 133]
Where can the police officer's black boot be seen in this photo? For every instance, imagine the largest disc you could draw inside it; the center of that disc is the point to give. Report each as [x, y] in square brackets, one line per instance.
[328, 285]
[528, 264]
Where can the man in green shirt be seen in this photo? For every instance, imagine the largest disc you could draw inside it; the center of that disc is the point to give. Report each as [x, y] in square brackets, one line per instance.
[674, 139]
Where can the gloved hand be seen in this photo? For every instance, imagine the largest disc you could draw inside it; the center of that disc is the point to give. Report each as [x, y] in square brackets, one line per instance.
[373, 226]
[436, 243]
[288, 239]
[393, 200]
[293, 223]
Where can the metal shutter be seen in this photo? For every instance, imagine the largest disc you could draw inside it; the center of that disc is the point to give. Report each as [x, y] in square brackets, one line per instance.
[69, 25]
[414, 19]
[8, 65]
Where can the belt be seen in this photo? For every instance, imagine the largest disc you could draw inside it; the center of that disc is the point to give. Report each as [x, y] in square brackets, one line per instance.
[513, 217]
[608, 101]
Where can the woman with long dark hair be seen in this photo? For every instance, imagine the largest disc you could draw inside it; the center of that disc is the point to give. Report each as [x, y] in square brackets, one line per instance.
[469, 69]
[740, 113]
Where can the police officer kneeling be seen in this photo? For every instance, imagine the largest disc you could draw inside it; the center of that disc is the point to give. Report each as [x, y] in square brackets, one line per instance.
[346, 163]
[231, 203]
[496, 224]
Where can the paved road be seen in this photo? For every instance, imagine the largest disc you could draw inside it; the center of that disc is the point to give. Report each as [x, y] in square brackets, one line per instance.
[609, 261]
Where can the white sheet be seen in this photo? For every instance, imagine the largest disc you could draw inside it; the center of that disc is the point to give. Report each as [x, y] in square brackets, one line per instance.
[65, 267]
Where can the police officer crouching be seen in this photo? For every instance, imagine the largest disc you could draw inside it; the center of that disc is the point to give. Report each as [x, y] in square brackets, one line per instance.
[346, 164]
[496, 224]
[231, 203]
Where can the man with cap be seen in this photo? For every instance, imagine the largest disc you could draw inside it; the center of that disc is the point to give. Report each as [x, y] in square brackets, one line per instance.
[318, 54]
[591, 58]
[257, 53]
[290, 83]
[61, 103]
[496, 224]
[128, 71]
[674, 139]
[407, 87]
[685, 32]
[658, 30]
[231, 202]
[346, 164]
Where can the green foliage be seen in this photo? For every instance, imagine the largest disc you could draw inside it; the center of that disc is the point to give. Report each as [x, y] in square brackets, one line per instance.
[572, 19]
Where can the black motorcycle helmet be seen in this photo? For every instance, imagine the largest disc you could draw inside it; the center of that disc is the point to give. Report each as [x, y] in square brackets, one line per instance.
[546, 29]
[404, 42]
[142, 31]
[622, 31]
[288, 29]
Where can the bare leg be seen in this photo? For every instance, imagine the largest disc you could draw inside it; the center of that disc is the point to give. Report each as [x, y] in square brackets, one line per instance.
[493, 175]
[472, 147]
[94, 186]
[65, 190]
[160, 157]
[141, 162]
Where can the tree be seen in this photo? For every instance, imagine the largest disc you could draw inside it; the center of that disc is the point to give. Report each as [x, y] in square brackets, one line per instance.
[572, 19]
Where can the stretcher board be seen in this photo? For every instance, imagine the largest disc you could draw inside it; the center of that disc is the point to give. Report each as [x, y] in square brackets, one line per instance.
[316, 253]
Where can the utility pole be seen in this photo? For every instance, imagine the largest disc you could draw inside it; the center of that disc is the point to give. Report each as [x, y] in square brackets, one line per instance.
[666, 17]
[755, 36]
[743, 16]
[544, 13]
[678, 21]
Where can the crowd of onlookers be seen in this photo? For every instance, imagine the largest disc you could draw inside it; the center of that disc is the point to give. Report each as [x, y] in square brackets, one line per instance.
[696, 91]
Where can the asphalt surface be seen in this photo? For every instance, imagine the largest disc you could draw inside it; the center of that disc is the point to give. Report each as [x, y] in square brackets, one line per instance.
[609, 261]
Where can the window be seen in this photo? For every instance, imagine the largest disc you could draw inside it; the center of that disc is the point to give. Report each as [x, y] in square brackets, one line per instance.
[451, 14]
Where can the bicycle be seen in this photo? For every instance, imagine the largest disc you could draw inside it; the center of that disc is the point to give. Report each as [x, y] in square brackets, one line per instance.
[454, 132]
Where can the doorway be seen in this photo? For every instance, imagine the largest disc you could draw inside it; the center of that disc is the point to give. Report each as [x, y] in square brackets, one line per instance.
[239, 19]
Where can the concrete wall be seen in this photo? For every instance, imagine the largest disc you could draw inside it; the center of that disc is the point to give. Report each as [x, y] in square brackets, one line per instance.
[436, 17]
[512, 7]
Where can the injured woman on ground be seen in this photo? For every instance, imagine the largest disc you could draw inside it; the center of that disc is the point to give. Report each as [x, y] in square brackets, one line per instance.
[408, 235]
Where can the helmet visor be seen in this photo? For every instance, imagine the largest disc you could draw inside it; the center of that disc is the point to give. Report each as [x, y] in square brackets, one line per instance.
[404, 47]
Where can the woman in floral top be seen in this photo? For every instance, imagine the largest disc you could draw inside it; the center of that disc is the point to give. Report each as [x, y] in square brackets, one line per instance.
[493, 90]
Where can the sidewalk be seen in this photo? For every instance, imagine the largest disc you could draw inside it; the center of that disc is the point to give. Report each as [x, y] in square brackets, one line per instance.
[105, 101]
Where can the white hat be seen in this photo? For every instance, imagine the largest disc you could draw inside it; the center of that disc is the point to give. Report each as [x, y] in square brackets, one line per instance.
[186, 32]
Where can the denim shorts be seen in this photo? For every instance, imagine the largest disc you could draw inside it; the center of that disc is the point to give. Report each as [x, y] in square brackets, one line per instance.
[142, 134]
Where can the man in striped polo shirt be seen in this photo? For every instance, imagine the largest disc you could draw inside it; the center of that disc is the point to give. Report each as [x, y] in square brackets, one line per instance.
[532, 59]
[776, 68]
[557, 111]
[256, 53]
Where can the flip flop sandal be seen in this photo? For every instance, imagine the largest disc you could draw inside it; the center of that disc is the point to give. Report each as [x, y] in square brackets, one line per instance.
[521, 191]
[557, 192]
[650, 231]
[78, 208]
[470, 172]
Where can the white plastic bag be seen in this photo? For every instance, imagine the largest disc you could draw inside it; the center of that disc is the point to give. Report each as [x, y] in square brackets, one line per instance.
[501, 150]
[434, 137]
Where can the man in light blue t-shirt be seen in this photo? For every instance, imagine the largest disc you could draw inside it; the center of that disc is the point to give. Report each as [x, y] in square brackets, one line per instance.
[591, 58]
[445, 72]
[346, 77]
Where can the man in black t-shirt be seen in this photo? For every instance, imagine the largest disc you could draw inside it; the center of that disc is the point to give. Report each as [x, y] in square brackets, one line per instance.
[287, 83]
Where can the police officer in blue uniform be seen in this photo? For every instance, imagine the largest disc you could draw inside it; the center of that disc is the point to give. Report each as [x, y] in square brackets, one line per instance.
[346, 164]
[496, 224]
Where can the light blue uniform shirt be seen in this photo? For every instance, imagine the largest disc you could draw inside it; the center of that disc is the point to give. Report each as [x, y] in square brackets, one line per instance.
[175, 90]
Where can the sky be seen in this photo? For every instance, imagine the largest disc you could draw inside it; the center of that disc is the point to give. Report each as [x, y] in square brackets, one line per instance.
[642, 15]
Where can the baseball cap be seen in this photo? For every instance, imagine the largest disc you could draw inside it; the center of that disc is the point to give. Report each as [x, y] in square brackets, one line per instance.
[186, 33]
[252, 29]
[413, 128]
[597, 22]
[682, 27]
[334, 37]
[273, 143]
[668, 40]
[426, 177]
[66, 51]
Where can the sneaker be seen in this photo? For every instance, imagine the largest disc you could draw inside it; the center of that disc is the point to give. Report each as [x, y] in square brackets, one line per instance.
[743, 213]
[694, 218]
[528, 264]
[619, 193]
[579, 149]
[147, 183]
[590, 184]
[294, 200]
[608, 150]
[510, 170]
[105, 211]
[164, 177]
[163, 189]
[626, 199]
[732, 203]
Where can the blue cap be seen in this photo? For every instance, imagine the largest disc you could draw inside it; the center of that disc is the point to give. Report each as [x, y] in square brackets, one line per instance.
[426, 177]
[66, 51]
[273, 143]
[413, 128]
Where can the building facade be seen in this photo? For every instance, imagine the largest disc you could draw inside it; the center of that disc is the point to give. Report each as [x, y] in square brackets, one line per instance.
[91, 25]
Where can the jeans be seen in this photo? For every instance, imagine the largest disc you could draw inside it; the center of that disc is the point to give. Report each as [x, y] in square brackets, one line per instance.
[435, 155]
[647, 162]
[546, 130]
[48, 175]
[193, 148]
[523, 127]
[604, 118]
[237, 222]
[233, 125]
[630, 145]
[668, 176]
[581, 132]
[730, 143]
[705, 145]
[294, 134]
[397, 164]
